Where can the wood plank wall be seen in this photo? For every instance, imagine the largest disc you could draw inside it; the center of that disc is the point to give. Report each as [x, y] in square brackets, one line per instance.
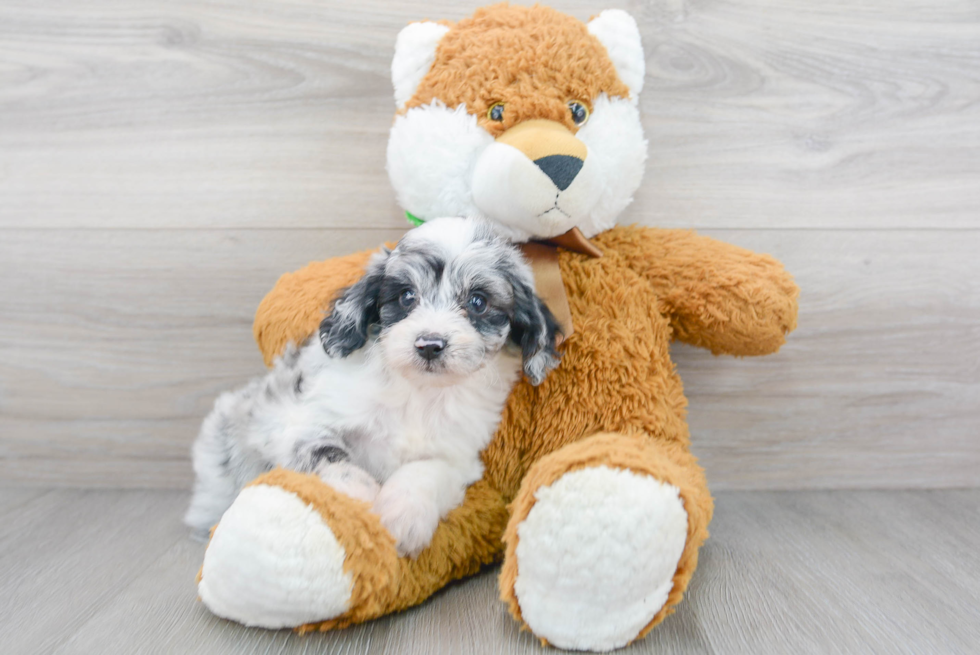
[161, 163]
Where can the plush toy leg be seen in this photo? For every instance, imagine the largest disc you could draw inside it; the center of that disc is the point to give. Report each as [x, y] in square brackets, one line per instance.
[603, 539]
[292, 552]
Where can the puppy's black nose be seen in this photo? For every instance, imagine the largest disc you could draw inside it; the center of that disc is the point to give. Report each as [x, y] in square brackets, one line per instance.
[429, 346]
[562, 169]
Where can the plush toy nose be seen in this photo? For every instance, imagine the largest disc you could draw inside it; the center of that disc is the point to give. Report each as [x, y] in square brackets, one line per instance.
[562, 169]
[550, 145]
[429, 346]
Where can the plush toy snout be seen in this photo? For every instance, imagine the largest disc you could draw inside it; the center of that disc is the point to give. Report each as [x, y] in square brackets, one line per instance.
[538, 176]
[551, 147]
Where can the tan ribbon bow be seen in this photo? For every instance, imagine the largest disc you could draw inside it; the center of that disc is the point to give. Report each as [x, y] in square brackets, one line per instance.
[543, 257]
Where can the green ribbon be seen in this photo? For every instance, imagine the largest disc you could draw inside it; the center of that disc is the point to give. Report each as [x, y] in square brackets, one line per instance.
[413, 219]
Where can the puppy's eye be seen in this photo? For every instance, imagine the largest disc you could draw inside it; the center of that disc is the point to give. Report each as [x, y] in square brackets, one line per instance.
[407, 299]
[580, 113]
[496, 112]
[477, 303]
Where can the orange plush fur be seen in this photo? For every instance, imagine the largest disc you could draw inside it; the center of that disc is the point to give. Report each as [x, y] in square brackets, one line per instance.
[615, 400]
[532, 60]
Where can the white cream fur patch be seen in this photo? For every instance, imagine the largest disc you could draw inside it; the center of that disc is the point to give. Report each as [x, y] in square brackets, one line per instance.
[415, 51]
[617, 31]
[596, 557]
[274, 563]
[442, 163]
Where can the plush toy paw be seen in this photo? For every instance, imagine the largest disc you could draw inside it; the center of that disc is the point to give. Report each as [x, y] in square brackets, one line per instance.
[596, 556]
[273, 562]
[291, 550]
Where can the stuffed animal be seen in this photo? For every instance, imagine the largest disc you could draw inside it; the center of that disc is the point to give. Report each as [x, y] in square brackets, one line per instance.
[590, 497]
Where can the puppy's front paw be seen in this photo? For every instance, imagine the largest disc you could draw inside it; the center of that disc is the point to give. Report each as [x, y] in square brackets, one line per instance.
[351, 480]
[410, 519]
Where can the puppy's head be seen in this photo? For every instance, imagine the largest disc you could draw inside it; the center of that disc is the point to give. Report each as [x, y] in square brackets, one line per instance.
[447, 299]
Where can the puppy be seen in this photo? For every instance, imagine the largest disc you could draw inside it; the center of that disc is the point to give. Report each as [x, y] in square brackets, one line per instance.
[403, 389]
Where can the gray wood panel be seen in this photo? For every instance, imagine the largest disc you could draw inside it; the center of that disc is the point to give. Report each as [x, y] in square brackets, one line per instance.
[189, 114]
[800, 572]
[162, 163]
[812, 114]
[115, 343]
[105, 382]
[879, 386]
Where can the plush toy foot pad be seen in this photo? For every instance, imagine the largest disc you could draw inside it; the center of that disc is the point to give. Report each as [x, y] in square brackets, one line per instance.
[273, 562]
[596, 557]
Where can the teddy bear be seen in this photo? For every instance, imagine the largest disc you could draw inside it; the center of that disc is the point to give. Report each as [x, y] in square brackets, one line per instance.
[590, 496]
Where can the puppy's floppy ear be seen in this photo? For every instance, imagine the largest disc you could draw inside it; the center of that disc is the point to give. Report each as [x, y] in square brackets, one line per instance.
[345, 329]
[536, 331]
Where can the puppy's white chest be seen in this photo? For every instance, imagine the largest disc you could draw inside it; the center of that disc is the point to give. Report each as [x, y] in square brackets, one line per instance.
[413, 444]
[418, 432]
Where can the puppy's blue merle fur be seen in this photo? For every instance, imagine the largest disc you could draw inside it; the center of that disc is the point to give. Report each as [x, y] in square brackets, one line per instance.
[403, 388]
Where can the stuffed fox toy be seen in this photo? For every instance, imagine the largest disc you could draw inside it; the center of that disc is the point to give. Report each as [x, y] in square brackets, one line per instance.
[590, 497]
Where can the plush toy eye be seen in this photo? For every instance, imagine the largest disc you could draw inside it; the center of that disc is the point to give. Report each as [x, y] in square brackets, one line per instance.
[580, 113]
[496, 112]
[407, 299]
[477, 303]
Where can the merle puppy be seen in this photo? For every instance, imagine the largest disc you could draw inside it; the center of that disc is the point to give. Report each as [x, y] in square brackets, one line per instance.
[403, 389]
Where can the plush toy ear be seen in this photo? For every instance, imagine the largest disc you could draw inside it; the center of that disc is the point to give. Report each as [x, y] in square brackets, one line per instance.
[415, 50]
[617, 30]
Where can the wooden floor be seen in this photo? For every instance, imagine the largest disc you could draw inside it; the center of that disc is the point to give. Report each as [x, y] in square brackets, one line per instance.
[96, 571]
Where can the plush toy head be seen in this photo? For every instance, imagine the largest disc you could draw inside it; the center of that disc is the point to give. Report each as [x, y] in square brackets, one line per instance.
[523, 116]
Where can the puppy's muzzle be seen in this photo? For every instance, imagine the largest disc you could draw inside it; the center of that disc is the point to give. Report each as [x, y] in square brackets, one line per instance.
[430, 346]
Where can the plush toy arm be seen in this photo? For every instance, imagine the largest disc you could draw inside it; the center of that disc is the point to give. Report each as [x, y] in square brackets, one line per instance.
[292, 311]
[718, 296]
